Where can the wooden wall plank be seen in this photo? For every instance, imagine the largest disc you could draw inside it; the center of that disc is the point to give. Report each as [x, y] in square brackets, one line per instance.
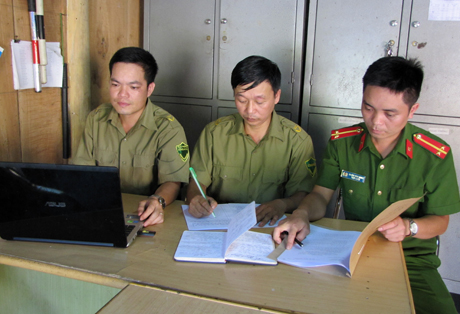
[10, 146]
[40, 125]
[78, 59]
[6, 35]
[112, 27]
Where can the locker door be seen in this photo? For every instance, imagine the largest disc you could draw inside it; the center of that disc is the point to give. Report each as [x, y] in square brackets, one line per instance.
[254, 27]
[181, 38]
[435, 43]
[349, 36]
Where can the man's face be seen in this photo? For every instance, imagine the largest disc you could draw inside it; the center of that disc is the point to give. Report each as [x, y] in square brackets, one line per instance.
[128, 89]
[385, 113]
[257, 104]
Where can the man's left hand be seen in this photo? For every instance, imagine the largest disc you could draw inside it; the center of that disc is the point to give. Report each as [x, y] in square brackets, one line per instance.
[270, 212]
[150, 212]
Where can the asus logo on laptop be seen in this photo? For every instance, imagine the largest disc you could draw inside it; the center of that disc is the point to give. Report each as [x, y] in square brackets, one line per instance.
[55, 204]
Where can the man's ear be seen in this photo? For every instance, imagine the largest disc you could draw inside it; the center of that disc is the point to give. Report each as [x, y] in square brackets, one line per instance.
[277, 96]
[150, 89]
[413, 109]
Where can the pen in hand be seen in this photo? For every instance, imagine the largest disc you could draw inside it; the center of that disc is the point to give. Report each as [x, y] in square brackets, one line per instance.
[285, 233]
[192, 171]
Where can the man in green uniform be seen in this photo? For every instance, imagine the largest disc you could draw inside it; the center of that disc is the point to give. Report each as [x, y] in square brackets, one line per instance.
[145, 142]
[255, 154]
[381, 161]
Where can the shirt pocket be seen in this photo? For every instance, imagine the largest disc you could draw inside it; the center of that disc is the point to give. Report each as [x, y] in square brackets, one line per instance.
[228, 173]
[405, 193]
[275, 177]
[143, 161]
[106, 158]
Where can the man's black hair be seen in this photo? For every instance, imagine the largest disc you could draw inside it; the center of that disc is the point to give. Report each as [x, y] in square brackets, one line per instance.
[255, 70]
[398, 75]
[138, 56]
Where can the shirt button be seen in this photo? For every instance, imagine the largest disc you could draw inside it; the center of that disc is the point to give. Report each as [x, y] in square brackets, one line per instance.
[379, 193]
[382, 167]
[124, 139]
[253, 174]
[123, 162]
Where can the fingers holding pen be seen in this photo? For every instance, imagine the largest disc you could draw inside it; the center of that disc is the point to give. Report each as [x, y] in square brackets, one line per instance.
[201, 207]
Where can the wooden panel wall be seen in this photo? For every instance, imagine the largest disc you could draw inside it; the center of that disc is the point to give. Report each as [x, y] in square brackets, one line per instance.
[113, 25]
[30, 123]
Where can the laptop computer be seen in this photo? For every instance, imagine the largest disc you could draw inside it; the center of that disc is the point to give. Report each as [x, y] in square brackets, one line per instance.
[64, 204]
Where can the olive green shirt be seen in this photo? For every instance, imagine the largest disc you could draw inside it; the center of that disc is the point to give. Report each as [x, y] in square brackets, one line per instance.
[391, 179]
[153, 152]
[237, 170]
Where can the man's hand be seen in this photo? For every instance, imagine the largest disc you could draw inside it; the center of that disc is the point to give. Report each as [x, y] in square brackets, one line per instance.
[270, 212]
[200, 207]
[395, 230]
[297, 225]
[150, 212]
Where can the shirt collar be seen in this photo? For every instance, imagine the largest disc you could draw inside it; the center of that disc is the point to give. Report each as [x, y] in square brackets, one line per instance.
[399, 148]
[144, 120]
[274, 130]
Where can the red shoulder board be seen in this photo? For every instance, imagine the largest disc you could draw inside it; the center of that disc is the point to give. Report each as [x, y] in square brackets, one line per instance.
[346, 132]
[433, 146]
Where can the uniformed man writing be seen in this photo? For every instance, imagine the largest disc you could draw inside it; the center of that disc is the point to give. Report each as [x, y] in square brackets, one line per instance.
[397, 161]
[145, 142]
[255, 154]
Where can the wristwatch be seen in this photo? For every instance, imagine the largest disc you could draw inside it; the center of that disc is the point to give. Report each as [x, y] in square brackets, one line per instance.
[160, 200]
[413, 227]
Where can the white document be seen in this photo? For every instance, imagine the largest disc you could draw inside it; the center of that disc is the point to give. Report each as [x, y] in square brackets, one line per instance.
[23, 75]
[444, 10]
[237, 244]
[224, 213]
[322, 247]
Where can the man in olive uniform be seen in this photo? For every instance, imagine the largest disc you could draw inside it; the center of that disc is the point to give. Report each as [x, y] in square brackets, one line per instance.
[145, 142]
[384, 160]
[255, 154]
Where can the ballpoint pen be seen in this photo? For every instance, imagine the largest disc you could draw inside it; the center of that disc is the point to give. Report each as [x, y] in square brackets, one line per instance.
[285, 233]
[192, 171]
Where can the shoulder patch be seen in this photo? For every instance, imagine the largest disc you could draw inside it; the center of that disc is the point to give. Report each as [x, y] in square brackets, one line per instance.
[346, 132]
[431, 145]
[183, 151]
[311, 166]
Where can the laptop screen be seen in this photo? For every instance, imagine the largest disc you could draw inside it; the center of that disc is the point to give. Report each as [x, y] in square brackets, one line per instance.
[61, 202]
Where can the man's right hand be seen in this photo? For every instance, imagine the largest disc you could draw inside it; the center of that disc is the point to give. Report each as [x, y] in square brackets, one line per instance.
[200, 207]
[297, 225]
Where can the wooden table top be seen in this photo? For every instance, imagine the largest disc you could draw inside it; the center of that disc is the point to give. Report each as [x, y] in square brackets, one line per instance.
[379, 284]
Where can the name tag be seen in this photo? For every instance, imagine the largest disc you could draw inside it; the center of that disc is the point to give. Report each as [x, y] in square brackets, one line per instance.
[353, 176]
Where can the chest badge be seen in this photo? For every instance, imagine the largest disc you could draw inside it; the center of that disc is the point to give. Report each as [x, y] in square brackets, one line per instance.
[352, 176]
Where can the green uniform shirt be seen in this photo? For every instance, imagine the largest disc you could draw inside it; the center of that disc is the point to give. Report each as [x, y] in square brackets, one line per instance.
[153, 152]
[236, 169]
[392, 179]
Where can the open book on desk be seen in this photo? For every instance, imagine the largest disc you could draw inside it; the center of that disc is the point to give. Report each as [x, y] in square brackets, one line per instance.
[324, 247]
[223, 214]
[237, 244]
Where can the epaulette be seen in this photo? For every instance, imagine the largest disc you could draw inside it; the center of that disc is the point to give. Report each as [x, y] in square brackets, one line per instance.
[439, 149]
[224, 119]
[346, 132]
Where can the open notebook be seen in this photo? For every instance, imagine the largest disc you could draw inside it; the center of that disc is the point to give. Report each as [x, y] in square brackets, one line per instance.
[64, 204]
